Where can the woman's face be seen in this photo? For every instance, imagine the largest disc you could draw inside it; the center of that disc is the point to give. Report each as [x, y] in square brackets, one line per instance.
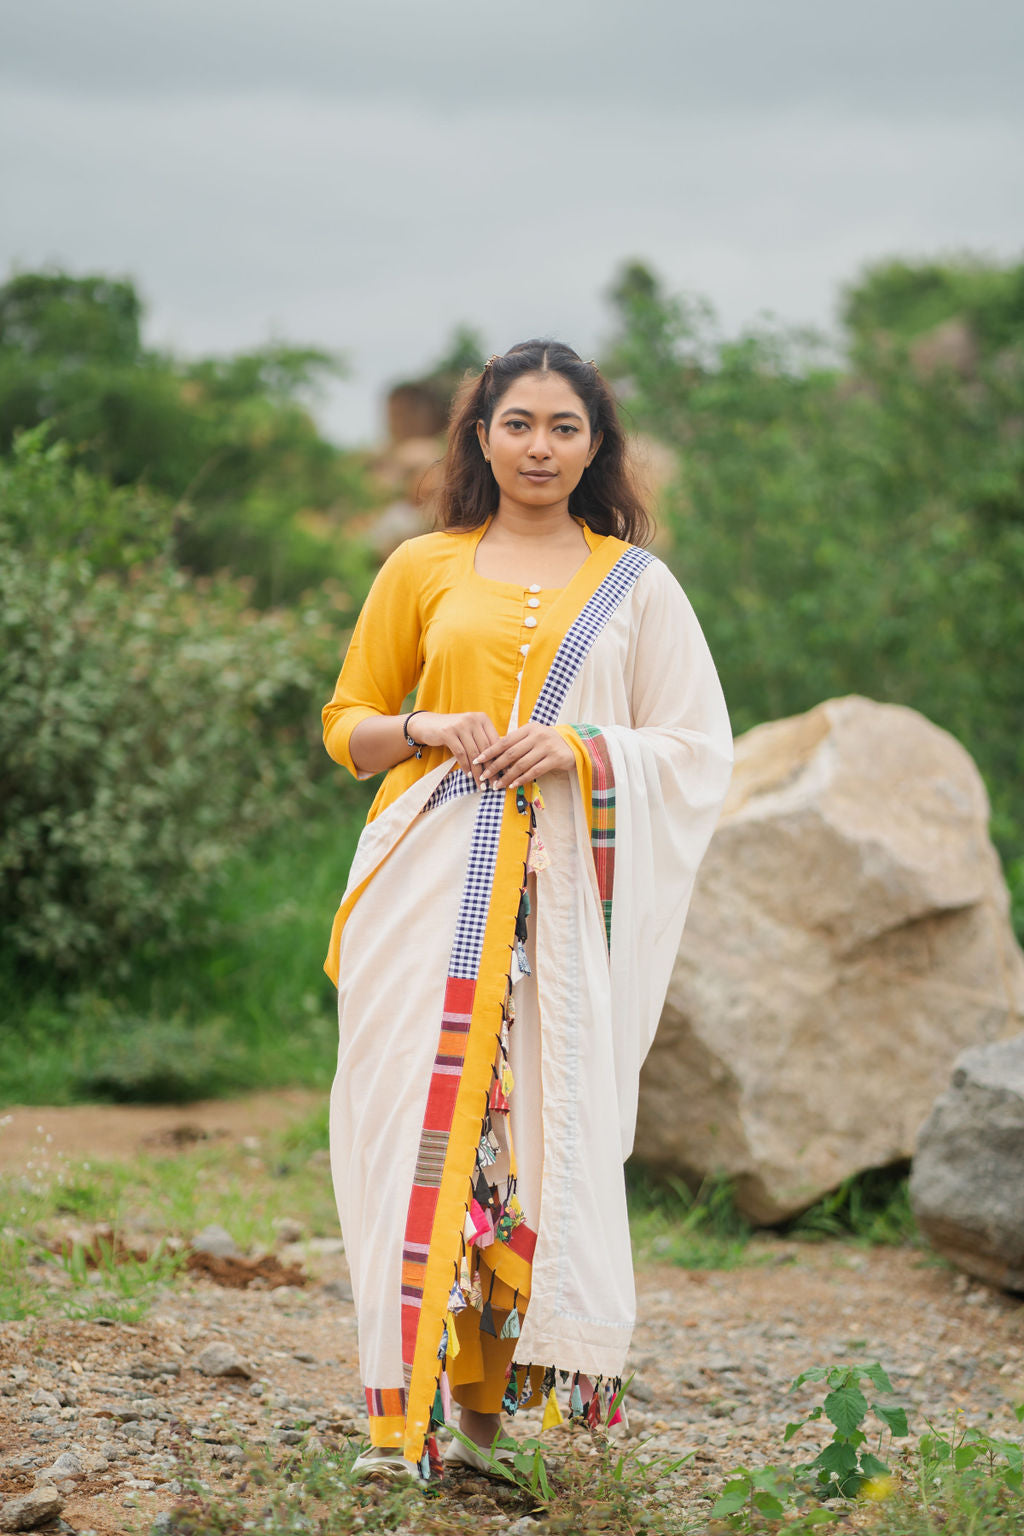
[539, 441]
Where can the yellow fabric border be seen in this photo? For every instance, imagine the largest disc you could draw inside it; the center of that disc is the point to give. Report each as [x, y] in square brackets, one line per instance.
[385, 1430]
[484, 1029]
[584, 770]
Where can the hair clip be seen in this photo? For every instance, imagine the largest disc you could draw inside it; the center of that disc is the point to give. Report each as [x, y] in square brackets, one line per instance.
[592, 364]
[492, 359]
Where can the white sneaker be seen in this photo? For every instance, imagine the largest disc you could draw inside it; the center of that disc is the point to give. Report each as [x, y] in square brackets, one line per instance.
[381, 1461]
[480, 1457]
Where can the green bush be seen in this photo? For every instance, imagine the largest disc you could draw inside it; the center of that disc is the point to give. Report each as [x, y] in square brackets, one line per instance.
[151, 725]
[854, 531]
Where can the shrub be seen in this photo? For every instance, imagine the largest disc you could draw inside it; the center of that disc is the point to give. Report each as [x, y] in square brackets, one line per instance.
[150, 724]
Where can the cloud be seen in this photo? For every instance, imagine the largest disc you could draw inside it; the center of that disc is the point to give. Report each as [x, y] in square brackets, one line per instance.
[907, 55]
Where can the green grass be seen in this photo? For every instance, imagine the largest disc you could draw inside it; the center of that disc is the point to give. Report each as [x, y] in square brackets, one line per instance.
[672, 1224]
[250, 1007]
[703, 1229]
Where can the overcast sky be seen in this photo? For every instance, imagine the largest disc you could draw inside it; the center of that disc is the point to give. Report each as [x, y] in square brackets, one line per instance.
[366, 177]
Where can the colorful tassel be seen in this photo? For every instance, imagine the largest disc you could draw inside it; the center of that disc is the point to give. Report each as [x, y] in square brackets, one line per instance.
[498, 1101]
[508, 1082]
[433, 1456]
[527, 1392]
[453, 1337]
[618, 1398]
[445, 1389]
[552, 1412]
[539, 859]
[486, 1237]
[476, 1222]
[520, 956]
[465, 1283]
[442, 1348]
[456, 1300]
[437, 1411]
[425, 1465]
[510, 1401]
[576, 1399]
[594, 1412]
[486, 1153]
[486, 1315]
[476, 1293]
[510, 1327]
[534, 796]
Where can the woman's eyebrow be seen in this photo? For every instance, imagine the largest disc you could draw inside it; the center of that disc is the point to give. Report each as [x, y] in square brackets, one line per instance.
[516, 410]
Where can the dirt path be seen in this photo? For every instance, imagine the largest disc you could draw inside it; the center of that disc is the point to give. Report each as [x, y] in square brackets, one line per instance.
[714, 1354]
[117, 1133]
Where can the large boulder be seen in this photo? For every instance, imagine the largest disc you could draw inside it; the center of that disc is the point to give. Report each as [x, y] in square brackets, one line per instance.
[849, 935]
[967, 1182]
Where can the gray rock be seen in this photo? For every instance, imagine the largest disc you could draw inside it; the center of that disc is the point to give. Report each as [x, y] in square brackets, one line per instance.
[216, 1241]
[287, 1229]
[220, 1359]
[67, 1465]
[337, 1290]
[31, 1510]
[967, 1181]
[851, 912]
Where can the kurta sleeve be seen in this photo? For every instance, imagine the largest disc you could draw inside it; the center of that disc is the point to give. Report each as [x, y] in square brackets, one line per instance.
[384, 658]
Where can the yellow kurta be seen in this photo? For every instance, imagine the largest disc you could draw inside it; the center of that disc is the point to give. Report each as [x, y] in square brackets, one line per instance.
[461, 641]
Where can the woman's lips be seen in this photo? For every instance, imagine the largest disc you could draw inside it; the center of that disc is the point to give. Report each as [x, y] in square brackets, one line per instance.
[537, 474]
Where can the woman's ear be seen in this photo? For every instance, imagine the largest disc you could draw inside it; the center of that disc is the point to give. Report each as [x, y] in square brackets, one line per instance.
[595, 445]
[481, 432]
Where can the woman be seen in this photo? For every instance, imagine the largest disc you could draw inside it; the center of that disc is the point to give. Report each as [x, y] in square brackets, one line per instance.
[515, 904]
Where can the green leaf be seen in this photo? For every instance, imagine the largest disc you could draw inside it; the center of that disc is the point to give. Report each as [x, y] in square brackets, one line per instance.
[768, 1504]
[871, 1466]
[965, 1456]
[792, 1429]
[896, 1418]
[846, 1406]
[877, 1376]
[839, 1460]
[816, 1373]
[729, 1503]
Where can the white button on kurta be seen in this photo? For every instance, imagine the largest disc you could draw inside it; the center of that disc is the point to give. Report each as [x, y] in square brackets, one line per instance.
[523, 650]
[533, 587]
[533, 602]
[530, 621]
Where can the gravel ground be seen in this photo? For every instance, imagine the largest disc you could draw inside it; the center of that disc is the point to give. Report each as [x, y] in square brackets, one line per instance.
[114, 1416]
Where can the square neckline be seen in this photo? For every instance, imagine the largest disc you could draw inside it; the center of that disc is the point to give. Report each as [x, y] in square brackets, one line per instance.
[515, 586]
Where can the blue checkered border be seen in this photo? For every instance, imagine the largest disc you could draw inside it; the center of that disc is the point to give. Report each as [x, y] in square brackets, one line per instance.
[584, 631]
[483, 848]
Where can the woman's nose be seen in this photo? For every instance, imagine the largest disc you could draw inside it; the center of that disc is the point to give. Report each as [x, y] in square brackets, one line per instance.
[539, 448]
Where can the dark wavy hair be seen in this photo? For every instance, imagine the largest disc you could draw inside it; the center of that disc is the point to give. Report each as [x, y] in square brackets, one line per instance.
[606, 499]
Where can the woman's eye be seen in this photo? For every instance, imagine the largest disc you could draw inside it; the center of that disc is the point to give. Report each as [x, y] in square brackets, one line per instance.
[513, 424]
[567, 428]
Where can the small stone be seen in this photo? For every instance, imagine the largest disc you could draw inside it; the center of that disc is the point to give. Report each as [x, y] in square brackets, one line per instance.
[67, 1465]
[641, 1391]
[216, 1241]
[337, 1290]
[219, 1359]
[31, 1509]
[304, 1357]
[288, 1230]
[286, 1295]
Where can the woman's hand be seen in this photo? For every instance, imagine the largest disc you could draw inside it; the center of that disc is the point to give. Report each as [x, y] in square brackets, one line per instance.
[524, 754]
[464, 736]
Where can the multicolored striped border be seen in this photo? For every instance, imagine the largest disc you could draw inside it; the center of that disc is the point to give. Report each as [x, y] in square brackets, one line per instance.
[602, 817]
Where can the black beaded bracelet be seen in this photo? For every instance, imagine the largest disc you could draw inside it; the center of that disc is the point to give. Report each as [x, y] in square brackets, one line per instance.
[417, 744]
